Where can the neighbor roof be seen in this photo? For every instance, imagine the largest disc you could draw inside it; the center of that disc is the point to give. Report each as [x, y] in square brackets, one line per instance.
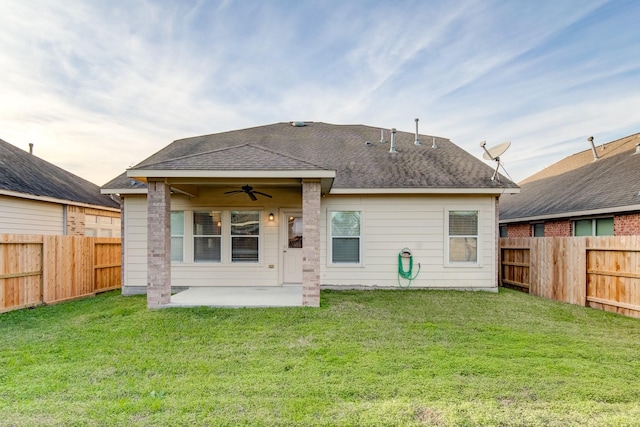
[25, 174]
[320, 147]
[578, 185]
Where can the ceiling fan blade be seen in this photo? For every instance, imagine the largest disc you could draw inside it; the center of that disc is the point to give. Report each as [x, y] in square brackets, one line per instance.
[252, 196]
[263, 194]
[234, 191]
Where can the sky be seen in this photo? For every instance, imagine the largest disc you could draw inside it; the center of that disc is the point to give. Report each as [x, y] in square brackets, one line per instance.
[98, 86]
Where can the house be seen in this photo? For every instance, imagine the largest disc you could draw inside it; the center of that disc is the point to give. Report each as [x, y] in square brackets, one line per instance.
[37, 197]
[595, 192]
[309, 203]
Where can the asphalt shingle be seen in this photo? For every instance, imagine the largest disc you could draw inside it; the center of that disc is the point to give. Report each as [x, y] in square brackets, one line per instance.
[26, 173]
[324, 146]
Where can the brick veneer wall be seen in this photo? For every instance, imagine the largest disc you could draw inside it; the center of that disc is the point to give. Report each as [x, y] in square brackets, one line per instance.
[561, 228]
[311, 243]
[626, 225]
[158, 244]
[519, 230]
[75, 221]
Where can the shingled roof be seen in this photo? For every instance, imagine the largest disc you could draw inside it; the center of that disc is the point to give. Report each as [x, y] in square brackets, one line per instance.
[579, 185]
[321, 146]
[21, 172]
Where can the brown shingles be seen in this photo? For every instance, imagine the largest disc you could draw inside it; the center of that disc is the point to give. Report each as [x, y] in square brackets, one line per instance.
[585, 185]
[26, 173]
[333, 147]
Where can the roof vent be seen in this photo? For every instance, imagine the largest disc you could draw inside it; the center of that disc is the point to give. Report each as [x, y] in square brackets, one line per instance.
[392, 149]
[417, 141]
[368, 143]
[637, 149]
[298, 124]
[433, 142]
[593, 149]
[382, 140]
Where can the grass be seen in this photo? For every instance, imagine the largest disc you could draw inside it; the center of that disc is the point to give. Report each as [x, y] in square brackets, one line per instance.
[406, 358]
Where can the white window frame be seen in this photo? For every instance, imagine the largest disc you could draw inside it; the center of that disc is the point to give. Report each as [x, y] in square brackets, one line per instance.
[230, 237]
[194, 236]
[183, 236]
[188, 247]
[594, 223]
[447, 261]
[330, 262]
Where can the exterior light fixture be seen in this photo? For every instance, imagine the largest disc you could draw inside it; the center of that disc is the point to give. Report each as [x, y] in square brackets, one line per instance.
[271, 217]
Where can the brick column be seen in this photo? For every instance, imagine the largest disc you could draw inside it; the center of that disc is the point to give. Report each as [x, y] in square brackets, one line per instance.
[311, 243]
[158, 244]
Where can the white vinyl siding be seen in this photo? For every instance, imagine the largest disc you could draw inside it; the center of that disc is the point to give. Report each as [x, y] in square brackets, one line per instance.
[389, 223]
[418, 223]
[22, 216]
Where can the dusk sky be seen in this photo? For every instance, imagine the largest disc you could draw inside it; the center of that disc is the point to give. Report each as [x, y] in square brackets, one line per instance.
[98, 86]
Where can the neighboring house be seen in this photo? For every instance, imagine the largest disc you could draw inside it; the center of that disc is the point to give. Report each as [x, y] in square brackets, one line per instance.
[595, 192]
[308, 203]
[37, 197]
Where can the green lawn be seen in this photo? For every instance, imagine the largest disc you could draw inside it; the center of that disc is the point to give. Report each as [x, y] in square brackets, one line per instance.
[364, 358]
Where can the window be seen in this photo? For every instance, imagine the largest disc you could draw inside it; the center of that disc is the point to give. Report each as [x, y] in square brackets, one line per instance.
[538, 229]
[463, 236]
[245, 233]
[504, 231]
[593, 227]
[177, 236]
[345, 237]
[207, 236]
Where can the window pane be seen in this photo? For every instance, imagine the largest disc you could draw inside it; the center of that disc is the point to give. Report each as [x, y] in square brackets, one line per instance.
[463, 249]
[295, 228]
[177, 223]
[463, 223]
[504, 231]
[206, 249]
[244, 249]
[583, 227]
[345, 224]
[245, 223]
[346, 250]
[177, 248]
[207, 223]
[604, 227]
[538, 230]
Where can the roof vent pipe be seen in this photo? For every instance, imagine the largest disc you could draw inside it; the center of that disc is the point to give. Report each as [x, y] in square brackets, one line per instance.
[433, 142]
[417, 141]
[392, 149]
[593, 148]
[31, 148]
[382, 140]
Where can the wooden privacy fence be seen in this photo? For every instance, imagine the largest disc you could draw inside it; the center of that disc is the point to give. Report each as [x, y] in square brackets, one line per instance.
[598, 272]
[37, 269]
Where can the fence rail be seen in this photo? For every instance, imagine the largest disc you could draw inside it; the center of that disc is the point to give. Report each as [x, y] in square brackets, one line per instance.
[37, 269]
[599, 272]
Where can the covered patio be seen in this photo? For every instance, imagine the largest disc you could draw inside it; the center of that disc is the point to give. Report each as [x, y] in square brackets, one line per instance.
[238, 296]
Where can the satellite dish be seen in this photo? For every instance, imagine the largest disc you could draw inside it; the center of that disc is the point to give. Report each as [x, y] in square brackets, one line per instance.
[494, 153]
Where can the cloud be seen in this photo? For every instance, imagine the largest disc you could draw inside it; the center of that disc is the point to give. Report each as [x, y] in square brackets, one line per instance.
[99, 86]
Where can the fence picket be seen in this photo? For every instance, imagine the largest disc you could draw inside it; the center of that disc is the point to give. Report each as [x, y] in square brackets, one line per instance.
[599, 272]
[38, 269]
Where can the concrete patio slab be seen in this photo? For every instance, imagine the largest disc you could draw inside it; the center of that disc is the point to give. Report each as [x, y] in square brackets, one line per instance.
[238, 296]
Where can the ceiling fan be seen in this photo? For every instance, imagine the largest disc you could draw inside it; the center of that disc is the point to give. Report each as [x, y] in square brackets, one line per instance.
[250, 192]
